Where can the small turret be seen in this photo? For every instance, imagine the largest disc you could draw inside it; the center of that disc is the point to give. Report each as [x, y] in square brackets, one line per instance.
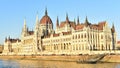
[25, 29]
[46, 13]
[86, 22]
[113, 28]
[6, 39]
[67, 19]
[78, 21]
[113, 37]
[74, 21]
[9, 38]
[57, 22]
[37, 22]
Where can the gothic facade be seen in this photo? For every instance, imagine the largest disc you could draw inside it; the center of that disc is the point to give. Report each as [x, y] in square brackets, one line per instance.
[69, 37]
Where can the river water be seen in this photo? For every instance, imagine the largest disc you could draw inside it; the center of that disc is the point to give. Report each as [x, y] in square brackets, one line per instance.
[52, 64]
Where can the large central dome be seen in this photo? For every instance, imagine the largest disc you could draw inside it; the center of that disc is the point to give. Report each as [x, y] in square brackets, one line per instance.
[46, 19]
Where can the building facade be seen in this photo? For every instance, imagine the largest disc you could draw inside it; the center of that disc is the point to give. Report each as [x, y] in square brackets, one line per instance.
[118, 45]
[69, 37]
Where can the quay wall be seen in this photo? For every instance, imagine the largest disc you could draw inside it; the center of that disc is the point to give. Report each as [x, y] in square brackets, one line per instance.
[107, 58]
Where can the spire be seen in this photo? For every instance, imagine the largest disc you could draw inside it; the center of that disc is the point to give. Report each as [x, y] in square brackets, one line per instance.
[67, 19]
[24, 26]
[37, 21]
[113, 28]
[27, 29]
[6, 39]
[78, 21]
[9, 38]
[25, 22]
[74, 21]
[24, 29]
[57, 22]
[86, 22]
[46, 12]
[37, 17]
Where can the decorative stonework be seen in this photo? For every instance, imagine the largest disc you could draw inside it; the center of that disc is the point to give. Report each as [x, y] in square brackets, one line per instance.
[69, 38]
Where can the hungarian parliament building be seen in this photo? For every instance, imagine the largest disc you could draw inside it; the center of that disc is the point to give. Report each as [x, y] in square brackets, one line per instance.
[69, 38]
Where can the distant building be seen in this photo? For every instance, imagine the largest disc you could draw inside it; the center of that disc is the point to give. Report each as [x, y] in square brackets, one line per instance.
[118, 45]
[69, 37]
[1, 48]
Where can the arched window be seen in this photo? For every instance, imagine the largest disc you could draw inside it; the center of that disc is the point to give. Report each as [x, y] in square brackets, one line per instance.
[78, 36]
[73, 37]
[88, 36]
[64, 47]
[101, 36]
[109, 46]
[102, 47]
[91, 35]
[85, 35]
[81, 35]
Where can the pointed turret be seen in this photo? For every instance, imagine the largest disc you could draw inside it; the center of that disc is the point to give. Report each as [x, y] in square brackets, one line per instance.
[86, 22]
[27, 29]
[57, 22]
[24, 30]
[37, 22]
[78, 21]
[24, 27]
[46, 13]
[67, 19]
[9, 38]
[113, 28]
[6, 39]
[74, 21]
[113, 37]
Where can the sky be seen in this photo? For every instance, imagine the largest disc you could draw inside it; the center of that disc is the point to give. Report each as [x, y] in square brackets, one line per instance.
[13, 13]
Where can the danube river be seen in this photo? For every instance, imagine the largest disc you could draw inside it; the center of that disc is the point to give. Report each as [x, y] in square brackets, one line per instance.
[52, 64]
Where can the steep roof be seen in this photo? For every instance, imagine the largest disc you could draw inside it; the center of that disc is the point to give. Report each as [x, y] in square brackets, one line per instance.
[79, 26]
[30, 32]
[13, 40]
[46, 19]
[62, 24]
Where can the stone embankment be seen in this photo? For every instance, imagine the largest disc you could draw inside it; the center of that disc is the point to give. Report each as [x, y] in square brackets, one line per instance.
[107, 58]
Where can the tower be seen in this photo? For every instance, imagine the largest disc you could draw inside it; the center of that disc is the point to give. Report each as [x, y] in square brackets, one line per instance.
[24, 29]
[86, 22]
[113, 37]
[46, 24]
[74, 21]
[57, 22]
[67, 19]
[37, 36]
[78, 20]
[46, 13]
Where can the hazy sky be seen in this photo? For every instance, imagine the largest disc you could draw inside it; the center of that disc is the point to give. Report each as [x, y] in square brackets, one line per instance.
[13, 12]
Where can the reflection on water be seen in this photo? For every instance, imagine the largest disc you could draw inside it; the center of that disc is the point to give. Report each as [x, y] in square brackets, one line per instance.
[52, 64]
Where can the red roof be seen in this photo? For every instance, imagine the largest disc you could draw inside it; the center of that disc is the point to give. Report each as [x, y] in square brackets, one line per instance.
[101, 25]
[31, 32]
[79, 26]
[13, 40]
[55, 35]
[46, 19]
[62, 24]
[72, 24]
[98, 26]
[66, 33]
[118, 42]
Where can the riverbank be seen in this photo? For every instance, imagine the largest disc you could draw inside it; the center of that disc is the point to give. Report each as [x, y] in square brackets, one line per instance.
[44, 58]
[107, 58]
